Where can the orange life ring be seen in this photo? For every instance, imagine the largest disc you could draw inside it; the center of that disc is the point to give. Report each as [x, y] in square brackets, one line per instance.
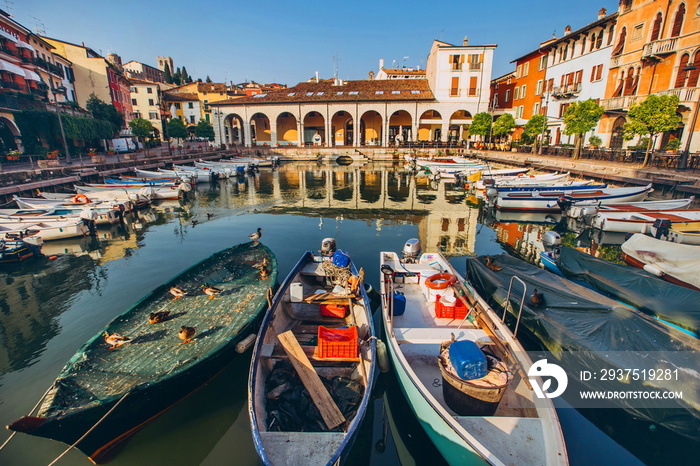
[80, 199]
[440, 281]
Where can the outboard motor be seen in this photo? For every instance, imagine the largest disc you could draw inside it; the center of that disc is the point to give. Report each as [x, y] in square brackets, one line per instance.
[328, 247]
[411, 251]
[552, 243]
[491, 194]
[564, 203]
[184, 190]
[213, 176]
[662, 226]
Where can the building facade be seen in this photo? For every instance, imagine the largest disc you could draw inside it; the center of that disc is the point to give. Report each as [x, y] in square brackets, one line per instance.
[501, 100]
[138, 70]
[147, 103]
[656, 51]
[530, 71]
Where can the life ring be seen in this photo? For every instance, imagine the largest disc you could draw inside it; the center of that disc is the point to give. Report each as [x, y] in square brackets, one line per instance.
[440, 281]
[80, 199]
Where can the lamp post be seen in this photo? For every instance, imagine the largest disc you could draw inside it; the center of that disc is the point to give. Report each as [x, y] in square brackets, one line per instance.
[683, 162]
[218, 114]
[544, 123]
[54, 91]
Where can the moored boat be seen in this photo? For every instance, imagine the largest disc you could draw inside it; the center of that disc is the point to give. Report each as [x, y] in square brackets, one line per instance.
[307, 307]
[18, 246]
[639, 221]
[677, 230]
[156, 353]
[557, 200]
[522, 180]
[426, 306]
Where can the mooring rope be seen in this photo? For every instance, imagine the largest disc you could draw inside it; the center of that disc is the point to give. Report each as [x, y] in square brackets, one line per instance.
[30, 413]
[91, 429]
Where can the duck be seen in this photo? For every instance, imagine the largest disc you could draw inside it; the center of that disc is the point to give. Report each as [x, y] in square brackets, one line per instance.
[263, 268]
[156, 317]
[115, 340]
[211, 290]
[491, 265]
[256, 236]
[537, 298]
[186, 333]
[177, 292]
[195, 223]
[209, 215]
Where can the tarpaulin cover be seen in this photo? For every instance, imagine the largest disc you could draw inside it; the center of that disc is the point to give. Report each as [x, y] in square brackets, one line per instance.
[636, 287]
[677, 260]
[593, 331]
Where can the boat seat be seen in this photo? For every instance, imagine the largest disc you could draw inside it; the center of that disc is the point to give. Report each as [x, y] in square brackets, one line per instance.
[276, 351]
[438, 335]
[313, 268]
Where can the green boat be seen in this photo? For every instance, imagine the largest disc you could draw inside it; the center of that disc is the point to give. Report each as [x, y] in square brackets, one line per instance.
[105, 394]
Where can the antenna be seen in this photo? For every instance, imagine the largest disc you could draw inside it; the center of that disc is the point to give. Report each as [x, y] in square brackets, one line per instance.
[7, 5]
[441, 33]
[404, 61]
[336, 59]
[39, 26]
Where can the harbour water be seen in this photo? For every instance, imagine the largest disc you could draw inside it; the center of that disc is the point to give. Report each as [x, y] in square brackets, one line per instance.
[49, 308]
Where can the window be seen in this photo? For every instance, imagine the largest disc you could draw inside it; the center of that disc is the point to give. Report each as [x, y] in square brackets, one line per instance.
[678, 21]
[456, 61]
[518, 72]
[291, 94]
[320, 93]
[206, 117]
[133, 102]
[521, 111]
[137, 115]
[339, 93]
[621, 43]
[526, 68]
[191, 118]
[415, 92]
[538, 89]
[522, 93]
[597, 73]
[611, 34]
[152, 115]
[599, 41]
[592, 42]
[475, 63]
[190, 105]
[177, 105]
[149, 90]
[473, 85]
[454, 90]
[543, 62]
[507, 98]
[396, 92]
[135, 90]
[583, 45]
[516, 93]
[378, 92]
[566, 50]
[150, 102]
[656, 27]
[579, 77]
[353, 93]
[536, 108]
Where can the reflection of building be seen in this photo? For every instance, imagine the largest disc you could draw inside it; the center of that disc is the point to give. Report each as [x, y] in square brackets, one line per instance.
[524, 238]
[371, 112]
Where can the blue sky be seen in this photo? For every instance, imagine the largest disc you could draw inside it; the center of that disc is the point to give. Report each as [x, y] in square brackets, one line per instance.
[287, 42]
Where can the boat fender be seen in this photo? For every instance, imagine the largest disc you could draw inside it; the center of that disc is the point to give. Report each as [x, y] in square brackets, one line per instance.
[652, 269]
[245, 344]
[382, 357]
[53, 258]
[440, 281]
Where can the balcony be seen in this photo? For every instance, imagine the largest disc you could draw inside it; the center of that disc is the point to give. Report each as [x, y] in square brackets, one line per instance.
[685, 95]
[620, 103]
[566, 91]
[660, 48]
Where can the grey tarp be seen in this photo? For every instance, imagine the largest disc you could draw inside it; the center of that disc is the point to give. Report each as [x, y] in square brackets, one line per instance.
[593, 332]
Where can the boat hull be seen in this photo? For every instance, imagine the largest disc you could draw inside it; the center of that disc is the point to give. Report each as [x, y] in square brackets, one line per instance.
[547, 200]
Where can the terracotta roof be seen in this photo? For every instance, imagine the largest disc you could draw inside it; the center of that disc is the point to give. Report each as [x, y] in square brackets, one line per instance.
[403, 71]
[211, 87]
[183, 96]
[505, 77]
[349, 91]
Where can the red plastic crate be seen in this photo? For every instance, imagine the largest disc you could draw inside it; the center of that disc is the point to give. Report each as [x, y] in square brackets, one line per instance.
[458, 311]
[333, 310]
[337, 342]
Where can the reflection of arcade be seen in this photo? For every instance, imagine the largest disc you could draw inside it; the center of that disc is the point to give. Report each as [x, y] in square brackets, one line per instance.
[523, 239]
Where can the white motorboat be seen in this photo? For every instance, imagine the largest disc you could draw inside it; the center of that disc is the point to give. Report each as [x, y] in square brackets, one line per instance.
[561, 199]
[640, 222]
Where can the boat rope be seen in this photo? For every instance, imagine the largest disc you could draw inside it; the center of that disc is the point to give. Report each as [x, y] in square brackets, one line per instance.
[269, 298]
[30, 413]
[91, 429]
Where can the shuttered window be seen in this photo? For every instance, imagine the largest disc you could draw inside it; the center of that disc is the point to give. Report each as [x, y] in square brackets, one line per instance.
[693, 79]
[678, 21]
[621, 44]
[656, 28]
[472, 85]
[680, 78]
[454, 90]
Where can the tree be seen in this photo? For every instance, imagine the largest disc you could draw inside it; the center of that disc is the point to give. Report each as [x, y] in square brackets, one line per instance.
[142, 129]
[184, 77]
[104, 111]
[177, 77]
[481, 125]
[503, 125]
[177, 129]
[580, 118]
[533, 128]
[168, 77]
[653, 116]
[204, 130]
[208, 79]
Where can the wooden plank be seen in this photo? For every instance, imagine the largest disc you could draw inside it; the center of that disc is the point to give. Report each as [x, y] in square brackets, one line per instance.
[311, 353]
[327, 298]
[320, 396]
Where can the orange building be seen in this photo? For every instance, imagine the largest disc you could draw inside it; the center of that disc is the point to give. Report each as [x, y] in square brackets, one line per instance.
[527, 95]
[657, 51]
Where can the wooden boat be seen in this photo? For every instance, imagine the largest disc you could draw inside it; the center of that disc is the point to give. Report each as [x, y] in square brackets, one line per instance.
[18, 246]
[68, 202]
[141, 182]
[547, 201]
[639, 221]
[103, 396]
[572, 185]
[116, 195]
[100, 215]
[198, 176]
[524, 180]
[151, 174]
[523, 429]
[51, 229]
[152, 192]
[295, 319]
[676, 263]
[444, 162]
[677, 230]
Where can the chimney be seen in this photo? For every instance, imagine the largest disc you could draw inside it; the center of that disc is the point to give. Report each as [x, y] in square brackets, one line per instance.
[381, 63]
[602, 13]
[465, 42]
[316, 76]
[567, 30]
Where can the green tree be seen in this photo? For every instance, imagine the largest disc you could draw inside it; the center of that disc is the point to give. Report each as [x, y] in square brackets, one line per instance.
[580, 118]
[177, 129]
[533, 128]
[653, 116]
[204, 130]
[481, 125]
[208, 79]
[177, 77]
[142, 129]
[184, 77]
[104, 111]
[503, 125]
[168, 77]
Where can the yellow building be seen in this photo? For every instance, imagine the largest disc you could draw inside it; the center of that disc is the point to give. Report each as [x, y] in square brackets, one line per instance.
[206, 93]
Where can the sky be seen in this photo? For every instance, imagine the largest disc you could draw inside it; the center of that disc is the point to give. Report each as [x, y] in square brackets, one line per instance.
[287, 42]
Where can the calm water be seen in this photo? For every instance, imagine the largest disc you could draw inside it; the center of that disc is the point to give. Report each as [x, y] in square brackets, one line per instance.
[48, 308]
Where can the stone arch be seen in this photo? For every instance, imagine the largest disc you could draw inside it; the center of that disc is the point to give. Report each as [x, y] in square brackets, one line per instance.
[287, 129]
[460, 121]
[233, 129]
[429, 124]
[616, 137]
[371, 123]
[314, 128]
[400, 124]
[342, 127]
[9, 136]
[260, 129]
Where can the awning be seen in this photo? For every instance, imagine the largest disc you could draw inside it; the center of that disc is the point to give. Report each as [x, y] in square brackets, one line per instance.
[8, 36]
[25, 45]
[29, 74]
[125, 133]
[10, 68]
[520, 121]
